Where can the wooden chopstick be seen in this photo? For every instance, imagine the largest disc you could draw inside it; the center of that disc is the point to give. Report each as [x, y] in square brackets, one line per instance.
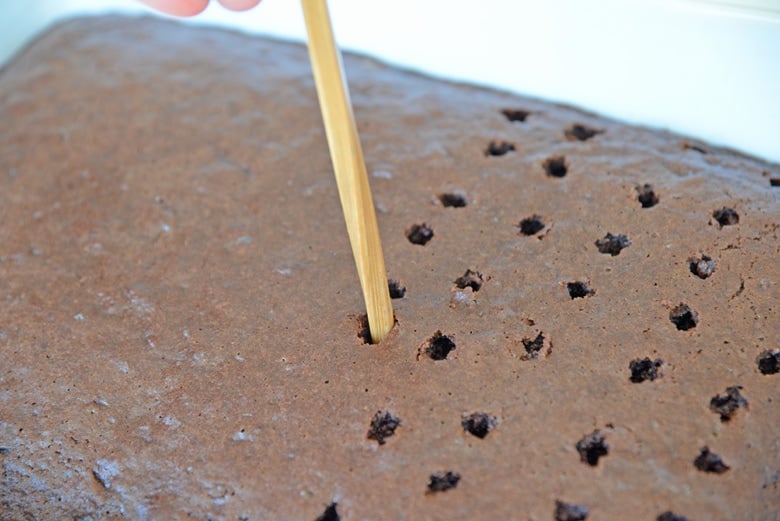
[349, 167]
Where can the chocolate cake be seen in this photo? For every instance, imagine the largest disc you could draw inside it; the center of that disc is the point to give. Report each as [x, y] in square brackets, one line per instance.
[180, 317]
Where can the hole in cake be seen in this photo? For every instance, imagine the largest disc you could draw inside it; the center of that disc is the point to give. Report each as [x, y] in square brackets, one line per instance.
[479, 424]
[774, 181]
[727, 404]
[769, 361]
[708, 461]
[683, 317]
[644, 369]
[453, 200]
[470, 279]
[396, 289]
[569, 511]
[438, 346]
[383, 425]
[646, 196]
[592, 447]
[670, 516]
[579, 290]
[697, 148]
[612, 244]
[419, 234]
[534, 346]
[531, 225]
[516, 115]
[330, 514]
[496, 149]
[363, 331]
[702, 266]
[442, 481]
[726, 216]
[578, 132]
[555, 166]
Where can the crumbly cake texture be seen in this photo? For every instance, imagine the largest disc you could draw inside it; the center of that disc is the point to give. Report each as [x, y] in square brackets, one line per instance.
[181, 313]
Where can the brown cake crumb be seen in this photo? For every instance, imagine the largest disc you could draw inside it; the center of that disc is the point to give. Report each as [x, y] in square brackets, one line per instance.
[670, 516]
[479, 424]
[438, 346]
[516, 115]
[471, 279]
[579, 289]
[644, 369]
[702, 266]
[726, 405]
[499, 149]
[419, 234]
[453, 200]
[726, 216]
[396, 289]
[383, 425]
[769, 361]
[569, 511]
[708, 461]
[683, 317]
[592, 447]
[555, 166]
[578, 132]
[531, 225]
[442, 481]
[647, 196]
[330, 514]
[613, 244]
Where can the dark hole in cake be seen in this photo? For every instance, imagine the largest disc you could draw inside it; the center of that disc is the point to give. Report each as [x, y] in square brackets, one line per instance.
[5, 450]
[579, 290]
[479, 424]
[533, 346]
[439, 346]
[383, 425]
[646, 196]
[697, 148]
[670, 516]
[683, 317]
[363, 331]
[612, 244]
[769, 361]
[453, 200]
[702, 266]
[644, 369]
[726, 216]
[442, 481]
[419, 234]
[516, 115]
[592, 447]
[470, 279]
[496, 149]
[569, 511]
[396, 289]
[531, 225]
[708, 461]
[727, 404]
[555, 166]
[578, 132]
[330, 513]
[774, 181]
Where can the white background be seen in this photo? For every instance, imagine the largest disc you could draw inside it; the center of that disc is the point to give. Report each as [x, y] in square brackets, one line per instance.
[706, 68]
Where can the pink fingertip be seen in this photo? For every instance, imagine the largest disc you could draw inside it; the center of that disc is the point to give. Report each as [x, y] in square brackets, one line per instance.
[239, 5]
[178, 7]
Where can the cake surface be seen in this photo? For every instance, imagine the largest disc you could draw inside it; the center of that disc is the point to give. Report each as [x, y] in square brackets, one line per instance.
[590, 320]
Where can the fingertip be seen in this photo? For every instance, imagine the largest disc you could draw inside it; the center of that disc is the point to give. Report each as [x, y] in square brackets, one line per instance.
[239, 5]
[178, 7]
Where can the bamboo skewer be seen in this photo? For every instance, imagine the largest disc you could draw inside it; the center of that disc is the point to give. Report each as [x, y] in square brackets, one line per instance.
[349, 167]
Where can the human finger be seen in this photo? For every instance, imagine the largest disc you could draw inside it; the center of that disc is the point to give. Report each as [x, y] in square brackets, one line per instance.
[239, 5]
[178, 7]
